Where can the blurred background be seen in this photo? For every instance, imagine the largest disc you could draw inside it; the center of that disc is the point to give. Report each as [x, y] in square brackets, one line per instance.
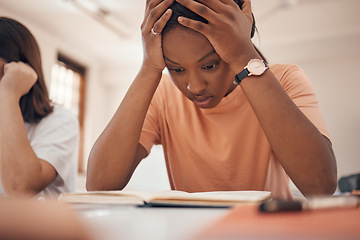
[91, 51]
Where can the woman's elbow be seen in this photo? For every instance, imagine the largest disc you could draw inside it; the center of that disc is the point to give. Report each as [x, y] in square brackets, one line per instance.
[324, 185]
[102, 184]
[22, 190]
[91, 186]
[330, 182]
[98, 187]
[326, 182]
[329, 187]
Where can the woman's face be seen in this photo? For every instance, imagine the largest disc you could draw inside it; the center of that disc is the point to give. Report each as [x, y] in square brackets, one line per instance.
[195, 67]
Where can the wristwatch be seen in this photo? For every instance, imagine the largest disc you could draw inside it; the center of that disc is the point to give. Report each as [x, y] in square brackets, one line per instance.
[254, 67]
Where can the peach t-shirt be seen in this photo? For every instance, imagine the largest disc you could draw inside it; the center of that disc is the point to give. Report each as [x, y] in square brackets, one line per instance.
[223, 148]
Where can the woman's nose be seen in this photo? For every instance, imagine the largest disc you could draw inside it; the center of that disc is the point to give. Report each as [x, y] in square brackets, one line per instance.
[196, 85]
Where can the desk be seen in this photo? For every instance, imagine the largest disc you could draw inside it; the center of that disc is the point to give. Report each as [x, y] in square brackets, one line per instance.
[117, 222]
[244, 222]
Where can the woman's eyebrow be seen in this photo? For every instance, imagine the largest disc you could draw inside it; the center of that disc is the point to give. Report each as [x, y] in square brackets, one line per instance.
[207, 55]
[201, 59]
[170, 61]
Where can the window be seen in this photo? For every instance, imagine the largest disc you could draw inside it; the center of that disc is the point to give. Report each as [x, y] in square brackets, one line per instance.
[67, 88]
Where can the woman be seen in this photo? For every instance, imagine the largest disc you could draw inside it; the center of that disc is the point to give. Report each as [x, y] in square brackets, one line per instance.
[222, 126]
[38, 141]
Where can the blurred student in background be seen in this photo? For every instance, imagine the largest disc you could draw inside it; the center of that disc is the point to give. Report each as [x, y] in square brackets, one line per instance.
[38, 140]
[41, 220]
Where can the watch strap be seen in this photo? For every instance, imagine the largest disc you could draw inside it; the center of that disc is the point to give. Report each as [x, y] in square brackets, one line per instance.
[243, 74]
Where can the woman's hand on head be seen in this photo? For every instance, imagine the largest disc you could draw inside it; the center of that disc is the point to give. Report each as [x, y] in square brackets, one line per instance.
[18, 78]
[228, 28]
[155, 19]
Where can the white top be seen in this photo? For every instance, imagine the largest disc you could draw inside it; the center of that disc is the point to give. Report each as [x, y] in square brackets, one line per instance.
[55, 140]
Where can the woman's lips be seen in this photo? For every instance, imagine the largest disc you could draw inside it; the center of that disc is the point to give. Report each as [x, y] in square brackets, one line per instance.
[202, 101]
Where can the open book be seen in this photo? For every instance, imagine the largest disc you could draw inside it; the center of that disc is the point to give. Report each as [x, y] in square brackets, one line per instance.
[168, 198]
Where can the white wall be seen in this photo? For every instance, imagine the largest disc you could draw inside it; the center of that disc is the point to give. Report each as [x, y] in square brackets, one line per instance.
[337, 84]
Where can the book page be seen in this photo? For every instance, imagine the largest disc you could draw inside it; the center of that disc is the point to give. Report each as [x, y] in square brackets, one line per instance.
[219, 196]
[148, 196]
[124, 197]
[105, 197]
[166, 196]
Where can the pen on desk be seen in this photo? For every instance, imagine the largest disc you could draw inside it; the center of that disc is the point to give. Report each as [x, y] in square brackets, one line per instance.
[310, 204]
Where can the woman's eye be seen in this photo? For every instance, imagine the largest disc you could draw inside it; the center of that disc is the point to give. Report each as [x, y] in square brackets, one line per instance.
[178, 70]
[208, 67]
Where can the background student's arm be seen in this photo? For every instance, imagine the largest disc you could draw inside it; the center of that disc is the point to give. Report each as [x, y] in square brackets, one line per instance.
[305, 154]
[117, 151]
[22, 173]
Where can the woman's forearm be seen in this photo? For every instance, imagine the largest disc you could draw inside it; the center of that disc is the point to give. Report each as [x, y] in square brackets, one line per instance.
[305, 154]
[20, 167]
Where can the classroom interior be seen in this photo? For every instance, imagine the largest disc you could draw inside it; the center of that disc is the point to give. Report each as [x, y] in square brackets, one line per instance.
[97, 44]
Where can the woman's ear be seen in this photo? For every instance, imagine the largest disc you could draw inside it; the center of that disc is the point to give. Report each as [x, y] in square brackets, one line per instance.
[253, 27]
[2, 65]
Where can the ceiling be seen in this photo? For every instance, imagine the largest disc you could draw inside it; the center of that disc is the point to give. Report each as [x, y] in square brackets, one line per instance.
[278, 21]
[64, 21]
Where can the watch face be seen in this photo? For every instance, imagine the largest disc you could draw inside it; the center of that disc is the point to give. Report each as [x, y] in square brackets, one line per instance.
[256, 67]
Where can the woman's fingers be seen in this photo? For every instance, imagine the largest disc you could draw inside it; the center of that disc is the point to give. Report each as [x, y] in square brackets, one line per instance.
[217, 6]
[193, 24]
[155, 10]
[156, 16]
[160, 24]
[150, 4]
[19, 78]
[214, 12]
[204, 8]
[207, 8]
[246, 8]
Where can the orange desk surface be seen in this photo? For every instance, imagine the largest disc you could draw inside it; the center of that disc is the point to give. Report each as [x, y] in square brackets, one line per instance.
[246, 222]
